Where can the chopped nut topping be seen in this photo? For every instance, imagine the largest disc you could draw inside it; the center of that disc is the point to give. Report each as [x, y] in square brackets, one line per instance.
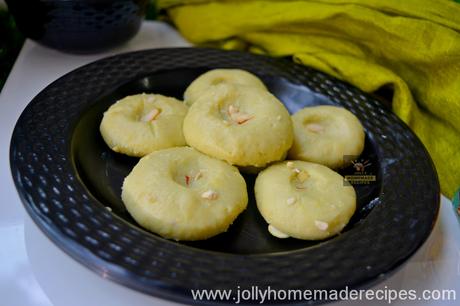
[297, 170]
[291, 200]
[276, 232]
[290, 164]
[198, 175]
[209, 195]
[152, 115]
[242, 118]
[315, 127]
[189, 179]
[237, 116]
[321, 225]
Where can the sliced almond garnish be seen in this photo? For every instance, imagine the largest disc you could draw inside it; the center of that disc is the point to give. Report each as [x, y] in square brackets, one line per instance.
[190, 179]
[152, 115]
[242, 118]
[209, 195]
[198, 175]
[315, 127]
[237, 116]
[291, 200]
[290, 164]
[296, 170]
[321, 225]
[276, 232]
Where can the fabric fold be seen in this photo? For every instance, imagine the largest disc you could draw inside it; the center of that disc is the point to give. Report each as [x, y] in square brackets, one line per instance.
[412, 46]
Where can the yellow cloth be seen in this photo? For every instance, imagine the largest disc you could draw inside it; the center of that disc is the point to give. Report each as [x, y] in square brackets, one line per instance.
[411, 45]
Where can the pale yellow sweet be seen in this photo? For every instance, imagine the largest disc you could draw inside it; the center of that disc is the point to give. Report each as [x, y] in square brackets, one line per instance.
[182, 194]
[140, 124]
[242, 125]
[304, 200]
[218, 76]
[327, 135]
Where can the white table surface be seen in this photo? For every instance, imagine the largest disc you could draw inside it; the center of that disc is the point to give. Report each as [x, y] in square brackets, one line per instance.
[34, 272]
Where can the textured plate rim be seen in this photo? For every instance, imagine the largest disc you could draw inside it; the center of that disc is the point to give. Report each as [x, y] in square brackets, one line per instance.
[163, 287]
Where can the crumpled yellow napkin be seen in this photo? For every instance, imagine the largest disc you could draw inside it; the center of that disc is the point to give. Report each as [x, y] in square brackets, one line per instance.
[413, 46]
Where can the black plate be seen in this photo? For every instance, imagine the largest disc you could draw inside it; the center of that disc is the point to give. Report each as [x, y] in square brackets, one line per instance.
[66, 177]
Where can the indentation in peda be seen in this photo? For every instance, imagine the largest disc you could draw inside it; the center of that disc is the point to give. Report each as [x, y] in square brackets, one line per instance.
[188, 176]
[298, 178]
[191, 177]
[218, 81]
[233, 114]
[151, 115]
[315, 125]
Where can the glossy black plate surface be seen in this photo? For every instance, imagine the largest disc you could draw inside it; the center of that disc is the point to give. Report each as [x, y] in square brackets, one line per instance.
[67, 176]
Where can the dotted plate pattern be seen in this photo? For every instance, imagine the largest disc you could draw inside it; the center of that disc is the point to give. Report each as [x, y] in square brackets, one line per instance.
[61, 205]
